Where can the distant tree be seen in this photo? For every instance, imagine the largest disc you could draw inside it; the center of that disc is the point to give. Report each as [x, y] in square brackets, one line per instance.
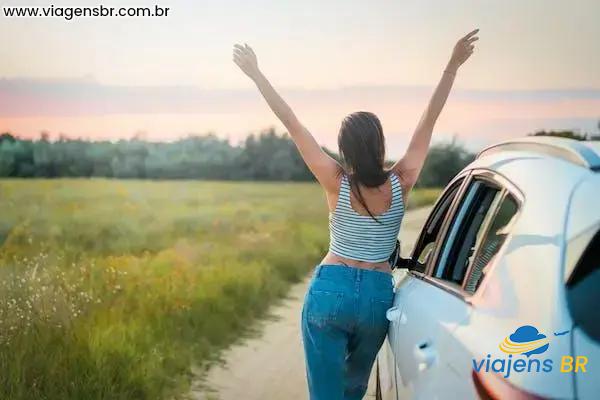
[269, 156]
[22, 152]
[443, 162]
[7, 156]
[44, 155]
[7, 137]
[564, 134]
[129, 159]
[44, 136]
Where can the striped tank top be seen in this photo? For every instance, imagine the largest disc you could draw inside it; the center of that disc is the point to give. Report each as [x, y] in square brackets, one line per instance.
[360, 237]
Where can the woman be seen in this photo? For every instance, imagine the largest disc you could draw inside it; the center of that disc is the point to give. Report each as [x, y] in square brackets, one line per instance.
[343, 318]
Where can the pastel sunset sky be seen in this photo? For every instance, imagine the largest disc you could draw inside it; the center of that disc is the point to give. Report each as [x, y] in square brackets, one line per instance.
[537, 66]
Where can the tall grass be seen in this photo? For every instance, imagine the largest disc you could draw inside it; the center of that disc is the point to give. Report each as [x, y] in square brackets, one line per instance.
[114, 289]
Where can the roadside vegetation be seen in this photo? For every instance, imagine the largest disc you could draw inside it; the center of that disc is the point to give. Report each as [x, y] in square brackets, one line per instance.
[114, 289]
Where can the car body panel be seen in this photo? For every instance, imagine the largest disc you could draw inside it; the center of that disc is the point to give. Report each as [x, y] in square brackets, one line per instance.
[421, 337]
[524, 286]
[586, 196]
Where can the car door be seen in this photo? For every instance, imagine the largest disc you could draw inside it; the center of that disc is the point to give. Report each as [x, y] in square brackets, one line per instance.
[430, 356]
[475, 235]
[399, 331]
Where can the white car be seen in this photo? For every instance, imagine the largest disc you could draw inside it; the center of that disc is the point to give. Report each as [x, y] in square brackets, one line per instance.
[501, 297]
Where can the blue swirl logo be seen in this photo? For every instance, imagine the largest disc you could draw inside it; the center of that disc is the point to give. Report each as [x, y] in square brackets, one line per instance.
[526, 340]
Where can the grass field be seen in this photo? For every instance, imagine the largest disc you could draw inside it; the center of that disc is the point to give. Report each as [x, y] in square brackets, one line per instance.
[114, 289]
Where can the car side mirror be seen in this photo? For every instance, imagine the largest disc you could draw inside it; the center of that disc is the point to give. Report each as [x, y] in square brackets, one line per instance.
[396, 261]
[407, 263]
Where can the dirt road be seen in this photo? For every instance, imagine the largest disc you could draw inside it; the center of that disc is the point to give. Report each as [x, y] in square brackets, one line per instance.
[271, 366]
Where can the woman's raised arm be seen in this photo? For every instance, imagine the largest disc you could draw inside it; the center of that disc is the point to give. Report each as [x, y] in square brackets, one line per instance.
[320, 163]
[409, 167]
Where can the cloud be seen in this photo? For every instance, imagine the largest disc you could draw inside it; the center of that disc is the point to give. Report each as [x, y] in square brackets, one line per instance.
[23, 97]
[89, 109]
[76, 97]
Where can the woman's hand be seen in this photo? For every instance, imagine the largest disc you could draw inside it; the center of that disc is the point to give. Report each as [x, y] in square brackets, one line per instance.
[463, 50]
[245, 58]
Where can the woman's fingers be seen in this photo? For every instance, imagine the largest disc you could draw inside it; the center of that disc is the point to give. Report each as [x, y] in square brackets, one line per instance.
[238, 59]
[250, 50]
[470, 34]
[242, 56]
[244, 48]
[240, 49]
[464, 47]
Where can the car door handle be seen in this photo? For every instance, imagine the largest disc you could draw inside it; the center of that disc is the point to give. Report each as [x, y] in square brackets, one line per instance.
[425, 355]
[393, 314]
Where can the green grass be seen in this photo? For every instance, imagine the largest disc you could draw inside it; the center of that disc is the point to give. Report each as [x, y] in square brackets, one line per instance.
[114, 289]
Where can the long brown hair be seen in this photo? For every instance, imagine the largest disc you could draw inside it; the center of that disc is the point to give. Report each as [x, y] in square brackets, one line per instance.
[362, 148]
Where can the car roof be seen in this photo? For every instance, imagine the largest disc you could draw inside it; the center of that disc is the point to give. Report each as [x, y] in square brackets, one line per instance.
[582, 153]
[542, 162]
[553, 175]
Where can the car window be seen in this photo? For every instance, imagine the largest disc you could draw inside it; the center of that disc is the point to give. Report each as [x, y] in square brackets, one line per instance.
[469, 246]
[490, 242]
[426, 244]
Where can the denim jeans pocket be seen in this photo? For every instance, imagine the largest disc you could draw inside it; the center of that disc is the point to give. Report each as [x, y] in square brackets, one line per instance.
[379, 308]
[323, 306]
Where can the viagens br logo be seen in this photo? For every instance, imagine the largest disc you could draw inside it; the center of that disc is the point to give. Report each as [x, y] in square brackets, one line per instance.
[527, 341]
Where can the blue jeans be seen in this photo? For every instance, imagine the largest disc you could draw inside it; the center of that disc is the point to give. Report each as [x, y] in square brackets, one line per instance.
[343, 327]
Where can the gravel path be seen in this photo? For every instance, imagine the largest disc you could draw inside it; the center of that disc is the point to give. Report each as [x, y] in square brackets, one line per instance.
[271, 366]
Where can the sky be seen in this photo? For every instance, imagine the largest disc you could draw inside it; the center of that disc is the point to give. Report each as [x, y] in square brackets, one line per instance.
[536, 67]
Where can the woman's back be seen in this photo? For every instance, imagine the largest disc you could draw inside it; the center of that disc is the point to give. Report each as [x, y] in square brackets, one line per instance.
[361, 236]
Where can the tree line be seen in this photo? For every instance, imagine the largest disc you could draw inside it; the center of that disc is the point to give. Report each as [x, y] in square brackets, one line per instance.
[267, 156]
